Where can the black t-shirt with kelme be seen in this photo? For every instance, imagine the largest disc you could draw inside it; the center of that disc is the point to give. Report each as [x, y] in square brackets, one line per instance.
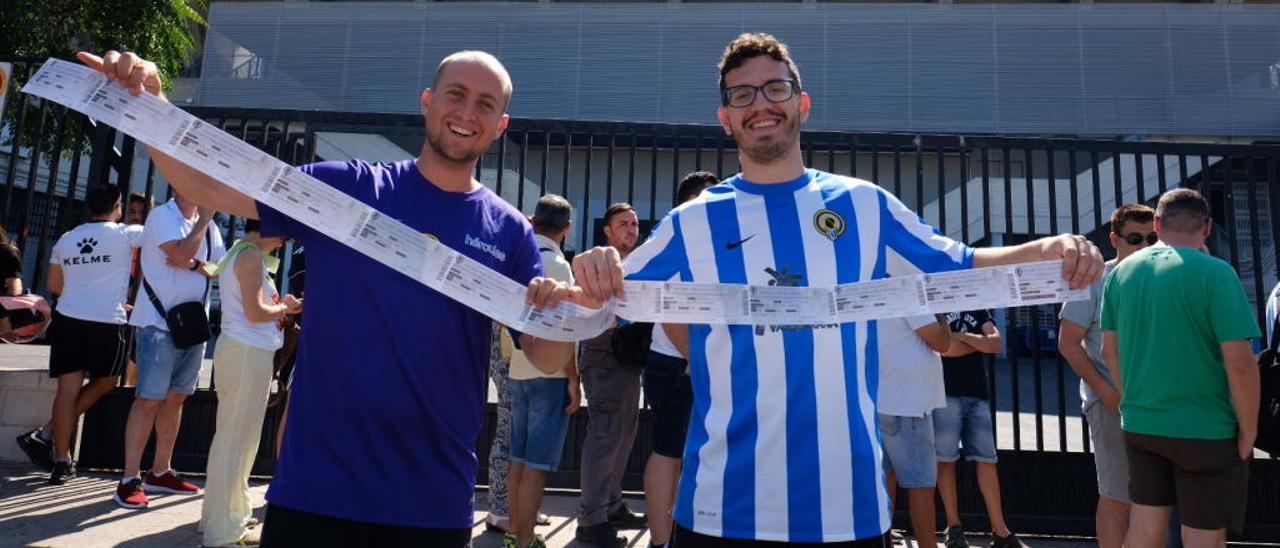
[965, 376]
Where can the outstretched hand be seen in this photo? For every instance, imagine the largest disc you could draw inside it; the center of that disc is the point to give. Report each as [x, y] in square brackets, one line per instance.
[133, 72]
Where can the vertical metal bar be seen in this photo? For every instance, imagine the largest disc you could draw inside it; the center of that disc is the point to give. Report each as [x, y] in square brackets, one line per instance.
[653, 174]
[697, 154]
[986, 193]
[853, 157]
[1097, 189]
[831, 156]
[1229, 199]
[608, 176]
[1206, 171]
[964, 192]
[1182, 170]
[25, 219]
[502, 164]
[524, 158]
[546, 159]
[1075, 229]
[675, 164]
[1036, 370]
[11, 177]
[1273, 197]
[1052, 176]
[808, 152]
[897, 172]
[1011, 335]
[719, 157]
[55, 163]
[586, 184]
[631, 169]
[1162, 183]
[919, 160]
[568, 151]
[68, 200]
[875, 167]
[1115, 173]
[1255, 239]
[1141, 178]
[942, 190]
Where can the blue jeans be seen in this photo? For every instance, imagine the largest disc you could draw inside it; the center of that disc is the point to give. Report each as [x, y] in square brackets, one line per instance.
[909, 451]
[538, 422]
[163, 367]
[964, 421]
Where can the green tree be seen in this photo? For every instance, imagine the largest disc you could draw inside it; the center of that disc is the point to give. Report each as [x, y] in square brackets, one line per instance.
[161, 31]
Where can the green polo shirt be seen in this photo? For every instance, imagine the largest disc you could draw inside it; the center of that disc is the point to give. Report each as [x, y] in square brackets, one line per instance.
[1171, 308]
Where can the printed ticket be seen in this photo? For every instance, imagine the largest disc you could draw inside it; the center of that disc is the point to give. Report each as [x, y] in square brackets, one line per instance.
[396, 245]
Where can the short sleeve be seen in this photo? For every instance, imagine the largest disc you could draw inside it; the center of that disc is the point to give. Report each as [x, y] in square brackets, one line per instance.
[916, 322]
[1108, 319]
[662, 256]
[922, 246]
[134, 235]
[162, 227]
[1229, 311]
[1083, 313]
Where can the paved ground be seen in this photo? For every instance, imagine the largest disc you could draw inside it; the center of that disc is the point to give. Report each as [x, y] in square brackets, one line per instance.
[81, 514]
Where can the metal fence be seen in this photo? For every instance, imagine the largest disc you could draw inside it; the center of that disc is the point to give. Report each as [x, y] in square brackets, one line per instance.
[981, 189]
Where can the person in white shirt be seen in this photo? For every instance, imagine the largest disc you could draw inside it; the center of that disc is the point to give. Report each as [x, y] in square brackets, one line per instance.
[910, 389]
[252, 316]
[89, 272]
[178, 240]
[669, 394]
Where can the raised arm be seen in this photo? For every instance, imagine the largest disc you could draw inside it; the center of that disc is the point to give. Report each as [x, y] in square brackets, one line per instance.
[1081, 261]
[139, 76]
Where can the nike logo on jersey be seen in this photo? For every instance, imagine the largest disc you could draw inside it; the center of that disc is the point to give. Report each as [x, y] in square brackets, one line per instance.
[737, 244]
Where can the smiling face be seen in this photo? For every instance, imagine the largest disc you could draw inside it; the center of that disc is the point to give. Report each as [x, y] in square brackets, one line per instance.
[464, 110]
[765, 131]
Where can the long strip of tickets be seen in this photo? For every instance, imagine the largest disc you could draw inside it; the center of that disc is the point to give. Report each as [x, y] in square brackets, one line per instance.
[392, 243]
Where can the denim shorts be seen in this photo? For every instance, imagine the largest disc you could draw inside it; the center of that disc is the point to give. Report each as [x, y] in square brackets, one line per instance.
[668, 392]
[163, 367]
[908, 450]
[538, 421]
[964, 426]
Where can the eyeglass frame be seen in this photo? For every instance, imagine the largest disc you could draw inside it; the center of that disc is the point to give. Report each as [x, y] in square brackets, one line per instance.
[756, 90]
[1151, 238]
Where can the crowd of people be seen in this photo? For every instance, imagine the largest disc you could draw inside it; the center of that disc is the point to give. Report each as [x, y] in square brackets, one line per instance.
[762, 435]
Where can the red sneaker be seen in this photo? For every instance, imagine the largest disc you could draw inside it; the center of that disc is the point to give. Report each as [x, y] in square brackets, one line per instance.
[130, 494]
[169, 482]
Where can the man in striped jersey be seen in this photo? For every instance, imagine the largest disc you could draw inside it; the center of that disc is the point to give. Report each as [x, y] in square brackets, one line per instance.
[783, 444]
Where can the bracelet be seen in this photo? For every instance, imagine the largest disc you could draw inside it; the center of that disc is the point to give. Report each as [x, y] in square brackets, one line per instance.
[195, 265]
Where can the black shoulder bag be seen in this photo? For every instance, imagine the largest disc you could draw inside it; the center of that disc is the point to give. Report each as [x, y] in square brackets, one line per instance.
[1269, 392]
[188, 322]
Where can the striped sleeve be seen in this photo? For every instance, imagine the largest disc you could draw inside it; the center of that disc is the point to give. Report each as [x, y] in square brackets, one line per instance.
[661, 257]
[922, 247]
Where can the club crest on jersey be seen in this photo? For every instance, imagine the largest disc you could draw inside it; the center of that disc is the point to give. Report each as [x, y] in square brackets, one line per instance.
[828, 223]
[430, 235]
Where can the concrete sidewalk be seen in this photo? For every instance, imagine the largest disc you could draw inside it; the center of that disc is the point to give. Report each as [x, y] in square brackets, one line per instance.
[81, 514]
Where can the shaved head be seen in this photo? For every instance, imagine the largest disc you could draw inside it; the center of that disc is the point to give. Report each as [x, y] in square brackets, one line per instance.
[480, 58]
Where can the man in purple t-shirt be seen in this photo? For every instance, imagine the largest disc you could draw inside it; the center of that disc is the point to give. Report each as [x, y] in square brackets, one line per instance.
[391, 383]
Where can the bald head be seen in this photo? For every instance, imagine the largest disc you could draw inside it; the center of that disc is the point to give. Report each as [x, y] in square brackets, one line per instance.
[481, 59]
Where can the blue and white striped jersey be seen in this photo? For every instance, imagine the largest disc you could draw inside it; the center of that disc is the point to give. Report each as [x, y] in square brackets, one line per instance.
[782, 442]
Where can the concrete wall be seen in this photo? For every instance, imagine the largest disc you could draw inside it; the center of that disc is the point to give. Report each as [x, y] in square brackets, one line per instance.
[26, 395]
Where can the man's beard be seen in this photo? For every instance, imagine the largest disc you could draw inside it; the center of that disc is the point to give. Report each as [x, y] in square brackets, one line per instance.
[436, 136]
[769, 151]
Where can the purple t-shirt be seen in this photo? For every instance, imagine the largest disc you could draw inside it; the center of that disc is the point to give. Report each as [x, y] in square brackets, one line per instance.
[391, 381]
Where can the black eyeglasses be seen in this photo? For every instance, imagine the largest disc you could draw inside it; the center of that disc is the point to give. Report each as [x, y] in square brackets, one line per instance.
[1135, 238]
[776, 91]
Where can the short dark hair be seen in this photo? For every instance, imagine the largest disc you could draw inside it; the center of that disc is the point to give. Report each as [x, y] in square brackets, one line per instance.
[102, 199]
[1137, 213]
[615, 209]
[552, 214]
[1182, 210]
[693, 184]
[252, 225]
[754, 44]
[138, 197]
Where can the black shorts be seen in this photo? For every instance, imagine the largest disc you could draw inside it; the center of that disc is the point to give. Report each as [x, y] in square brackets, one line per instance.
[668, 393]
[684, 538]
[286, 528]
[99, 349]
[1205, 478]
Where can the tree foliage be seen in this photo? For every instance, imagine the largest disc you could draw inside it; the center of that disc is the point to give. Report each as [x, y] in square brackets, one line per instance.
[161, 31]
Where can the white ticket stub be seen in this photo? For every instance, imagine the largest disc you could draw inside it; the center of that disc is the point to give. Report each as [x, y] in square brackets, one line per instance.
[394, 244]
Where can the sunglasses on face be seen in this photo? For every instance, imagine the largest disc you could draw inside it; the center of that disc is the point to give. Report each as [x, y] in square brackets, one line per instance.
[1135, 238]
